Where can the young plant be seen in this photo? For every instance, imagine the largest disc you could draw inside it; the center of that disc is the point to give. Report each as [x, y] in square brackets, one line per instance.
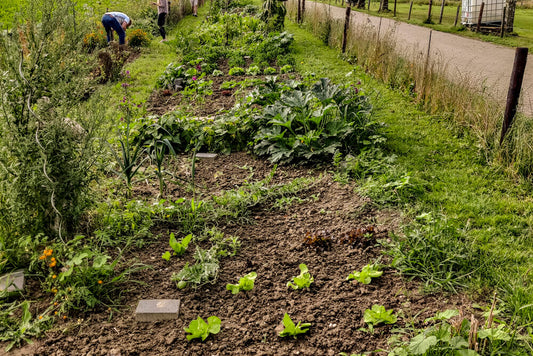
[303, 280]
[200, 329]
[236, 71]
[378, 315]
[269, 71]
[245, 283]
[291, 329]
[178, 247]
[367, 273]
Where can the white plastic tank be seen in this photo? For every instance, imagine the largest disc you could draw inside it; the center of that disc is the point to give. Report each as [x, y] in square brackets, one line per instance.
[492, 12]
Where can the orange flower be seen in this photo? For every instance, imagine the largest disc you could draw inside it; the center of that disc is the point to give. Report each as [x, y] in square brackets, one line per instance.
[53, 259]
[40, 316]
[54, 290]
[64, 317]
[53, 264]
[48, 252]
[42, 257]
[56, 303]
[100, 282]
[54, 276]
[55, 313]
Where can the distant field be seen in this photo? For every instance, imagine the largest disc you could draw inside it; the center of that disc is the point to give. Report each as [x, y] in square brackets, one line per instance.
[8, 8]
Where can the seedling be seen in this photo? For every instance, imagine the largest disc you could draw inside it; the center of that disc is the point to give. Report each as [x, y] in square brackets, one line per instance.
[303, 280]
[377, 315]
[245, 283]
[291, 329]
[200, 329]
[367, 273]
[178, 247]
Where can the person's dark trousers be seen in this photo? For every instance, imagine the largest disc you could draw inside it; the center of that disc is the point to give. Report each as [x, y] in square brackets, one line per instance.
[110, 23]
[161, 23]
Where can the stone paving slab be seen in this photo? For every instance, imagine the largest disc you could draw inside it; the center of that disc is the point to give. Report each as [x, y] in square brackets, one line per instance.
[157, 309]
[12, 282]
[206, 155]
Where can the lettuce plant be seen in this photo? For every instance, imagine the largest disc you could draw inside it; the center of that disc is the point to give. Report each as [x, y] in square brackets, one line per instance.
[200, 329]
[245, 283]
[291, 329]
[303, 280]
[367, 273]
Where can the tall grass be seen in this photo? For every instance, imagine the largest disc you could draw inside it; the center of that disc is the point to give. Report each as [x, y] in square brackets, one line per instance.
[466, 106]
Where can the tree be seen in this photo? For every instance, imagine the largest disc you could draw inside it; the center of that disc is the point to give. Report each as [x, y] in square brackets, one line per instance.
[511, 7]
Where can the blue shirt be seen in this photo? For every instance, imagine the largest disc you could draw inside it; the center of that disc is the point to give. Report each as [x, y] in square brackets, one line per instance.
[120, 17]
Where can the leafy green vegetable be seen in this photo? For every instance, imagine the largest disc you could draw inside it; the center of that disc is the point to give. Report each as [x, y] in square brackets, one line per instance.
[445, 315]
[367, 273]
[245, 283]
[200, 329]
[179, 247]
[377, 315]
[291, 329]
[166, 256]
[303, 280]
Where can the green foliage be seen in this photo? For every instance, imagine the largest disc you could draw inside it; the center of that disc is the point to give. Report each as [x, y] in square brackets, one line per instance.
[178, 247]
[237, 71]
[246, 283]
[94, 40]
[269, 71]
[313, 123]
[437, 252]
[286, 69]
[367, 273]
[273, 14]
[18, 327]
[138, 38]
[207, 262]
[253, 70]
[291, 329]
[47, 145]
[200, 329]
[378, 315]
[303, 280]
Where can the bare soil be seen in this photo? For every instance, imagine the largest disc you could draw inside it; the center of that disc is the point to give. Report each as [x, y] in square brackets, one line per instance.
[273, 245]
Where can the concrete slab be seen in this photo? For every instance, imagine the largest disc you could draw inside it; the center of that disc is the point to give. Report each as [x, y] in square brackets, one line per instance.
[157, 309]
[206, 155]
[12, 282]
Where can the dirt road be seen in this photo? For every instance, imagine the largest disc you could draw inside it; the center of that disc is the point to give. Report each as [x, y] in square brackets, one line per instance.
[487, 65]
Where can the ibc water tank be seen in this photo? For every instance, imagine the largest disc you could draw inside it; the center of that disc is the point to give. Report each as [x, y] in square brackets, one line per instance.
[492, 12]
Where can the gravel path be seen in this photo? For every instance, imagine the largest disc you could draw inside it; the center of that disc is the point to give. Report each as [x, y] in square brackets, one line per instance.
[487, 65]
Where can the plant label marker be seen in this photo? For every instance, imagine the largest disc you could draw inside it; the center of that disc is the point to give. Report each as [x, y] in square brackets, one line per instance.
[157, 309]
[12, 282]
[206, 155]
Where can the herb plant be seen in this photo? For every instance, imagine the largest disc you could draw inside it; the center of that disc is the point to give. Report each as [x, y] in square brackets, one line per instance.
[291, 329]
[200, 329]
[303, 280]
[367, 273]
[245, 283]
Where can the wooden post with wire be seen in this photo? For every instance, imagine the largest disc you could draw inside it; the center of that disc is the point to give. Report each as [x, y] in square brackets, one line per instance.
[480, 18]
[429, 11]
[502, 28]
[441, 11]
[457, 16]
[515, 86]
[410, 10]
[346, 27]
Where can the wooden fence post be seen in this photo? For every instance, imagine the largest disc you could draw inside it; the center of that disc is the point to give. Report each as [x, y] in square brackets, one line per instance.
[299, 14]
[480, 17]
[410, 9]
[395, 8]
[515, 86]
[441, 11]
[346, 26]
[303, 10]
[456, 16]
[429, 11]
[502, 28]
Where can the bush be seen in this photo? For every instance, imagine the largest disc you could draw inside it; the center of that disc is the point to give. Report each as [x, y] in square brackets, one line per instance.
[138, 38]
[94, 40]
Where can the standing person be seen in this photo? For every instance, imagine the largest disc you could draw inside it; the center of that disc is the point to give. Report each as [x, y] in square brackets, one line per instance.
[116, 21]
[194, 4]
[162, 12]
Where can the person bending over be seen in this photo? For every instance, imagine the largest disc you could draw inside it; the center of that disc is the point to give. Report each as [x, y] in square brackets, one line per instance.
[118, 22]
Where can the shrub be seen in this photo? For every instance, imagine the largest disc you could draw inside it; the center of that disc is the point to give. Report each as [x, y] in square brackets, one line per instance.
[138, 38]
[94, 40]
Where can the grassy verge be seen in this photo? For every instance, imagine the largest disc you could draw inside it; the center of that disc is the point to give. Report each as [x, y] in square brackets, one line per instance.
[448, 178]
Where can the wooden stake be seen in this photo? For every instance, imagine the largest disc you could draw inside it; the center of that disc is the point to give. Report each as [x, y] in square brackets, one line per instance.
[346, 26]
[410, 9]
[456, 15]
[515, 86]
[478, 28]
[502, 28]
[395, 8]
[441, 11]
[429, 11]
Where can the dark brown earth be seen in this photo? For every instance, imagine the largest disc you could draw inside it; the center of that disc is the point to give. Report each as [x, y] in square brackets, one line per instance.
[273, 245]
